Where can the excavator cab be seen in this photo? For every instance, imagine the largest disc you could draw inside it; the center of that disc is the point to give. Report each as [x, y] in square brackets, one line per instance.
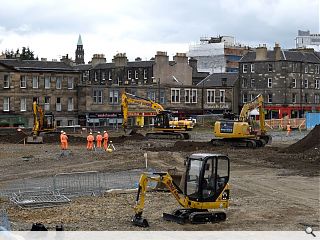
[206, 177]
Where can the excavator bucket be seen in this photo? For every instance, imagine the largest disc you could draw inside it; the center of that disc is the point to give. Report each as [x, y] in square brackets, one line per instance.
[178, 179]
[137, 220]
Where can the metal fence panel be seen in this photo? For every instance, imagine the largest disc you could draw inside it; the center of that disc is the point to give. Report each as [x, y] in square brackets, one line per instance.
[77, 183]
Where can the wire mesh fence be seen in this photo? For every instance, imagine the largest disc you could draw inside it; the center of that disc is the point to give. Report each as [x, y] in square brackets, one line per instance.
[4, 221]
[72, 184]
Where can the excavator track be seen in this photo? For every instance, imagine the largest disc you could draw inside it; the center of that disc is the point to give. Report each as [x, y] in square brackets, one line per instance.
[194, 216]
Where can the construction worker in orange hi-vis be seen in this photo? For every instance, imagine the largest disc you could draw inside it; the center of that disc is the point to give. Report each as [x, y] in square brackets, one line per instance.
[64, 141]
[90, 140]
[61, 134]
[99, 140]
[288, 129]
[105, 140]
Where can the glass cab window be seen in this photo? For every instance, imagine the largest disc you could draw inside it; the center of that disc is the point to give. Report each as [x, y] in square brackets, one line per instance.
[206, 178]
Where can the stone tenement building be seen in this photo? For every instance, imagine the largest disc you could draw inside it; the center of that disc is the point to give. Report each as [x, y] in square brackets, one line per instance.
[52, 84]
[288, 79]
[168, 82]
[90, 94]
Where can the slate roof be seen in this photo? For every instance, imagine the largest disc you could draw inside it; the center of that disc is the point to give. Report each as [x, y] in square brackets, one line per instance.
[215, 80]
[292, 56]
[35, 65]
[129, 64]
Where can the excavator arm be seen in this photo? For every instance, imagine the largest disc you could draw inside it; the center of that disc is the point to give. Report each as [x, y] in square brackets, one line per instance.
[127, 98]
[164, 178]
[36, 122]
[255, 103]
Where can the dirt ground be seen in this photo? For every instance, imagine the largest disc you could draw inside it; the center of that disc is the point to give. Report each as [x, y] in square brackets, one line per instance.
[273, 188]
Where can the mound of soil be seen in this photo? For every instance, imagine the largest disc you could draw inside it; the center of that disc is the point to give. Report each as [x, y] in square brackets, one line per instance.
[309, 142]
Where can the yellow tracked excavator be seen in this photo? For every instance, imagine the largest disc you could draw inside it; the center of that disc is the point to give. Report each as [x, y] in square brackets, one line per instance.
[242, 131]
[165, 127]
[205, 187]
[42, 122]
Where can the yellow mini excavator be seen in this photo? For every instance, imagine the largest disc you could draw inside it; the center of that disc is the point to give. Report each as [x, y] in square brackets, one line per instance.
[205, 187]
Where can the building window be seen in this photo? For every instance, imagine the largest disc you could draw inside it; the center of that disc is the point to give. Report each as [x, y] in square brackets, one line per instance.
[70, 104]
[244, 98]
[306, 97]
[294, 98]
[269, 82]
[151, 95]
[47, 103]
[70, 82]
[58, 82]
[187, 94]
[145, 74]
[175, 95]
[114, 96]
[317, 70]
[317, 84]
[252, 83]
[6, 104]
[47, 83]
[58, 104]
[244, 82]
[306, 83]
[270, 67]
[136, 74]
[85, 75]
[6, 81]
[70, 122]
[294, 83]
[129, 74]
[252, 67]
[23, 104]
[270, 98]
[222, 96]
[245, 68]
[97, 96]
[306, 69]
[23, 81]
[194, 95]
[210, 96]
[35, 82]
[317, 98]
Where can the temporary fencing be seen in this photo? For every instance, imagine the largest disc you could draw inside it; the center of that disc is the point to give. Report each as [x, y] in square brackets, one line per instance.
[4, 221]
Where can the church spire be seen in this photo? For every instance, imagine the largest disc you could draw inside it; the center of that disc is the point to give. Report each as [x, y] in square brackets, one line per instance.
[79, 59]
[79, 41]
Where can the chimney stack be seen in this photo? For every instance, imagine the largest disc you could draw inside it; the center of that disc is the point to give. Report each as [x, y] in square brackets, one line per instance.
[261, 53]
[277, 52]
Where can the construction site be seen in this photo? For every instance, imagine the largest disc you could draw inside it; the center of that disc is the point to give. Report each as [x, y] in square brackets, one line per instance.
[275, 187]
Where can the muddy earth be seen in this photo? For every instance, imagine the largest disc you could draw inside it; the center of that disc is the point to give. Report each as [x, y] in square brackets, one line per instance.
[272, 188]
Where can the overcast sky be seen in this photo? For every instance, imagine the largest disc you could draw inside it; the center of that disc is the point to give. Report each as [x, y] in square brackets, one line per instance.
[141, 27]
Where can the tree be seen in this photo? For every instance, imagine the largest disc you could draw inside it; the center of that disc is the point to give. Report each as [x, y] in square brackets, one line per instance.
[26, 54]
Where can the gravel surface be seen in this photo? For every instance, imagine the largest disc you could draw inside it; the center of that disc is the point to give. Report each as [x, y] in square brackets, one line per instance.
[271, 187]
